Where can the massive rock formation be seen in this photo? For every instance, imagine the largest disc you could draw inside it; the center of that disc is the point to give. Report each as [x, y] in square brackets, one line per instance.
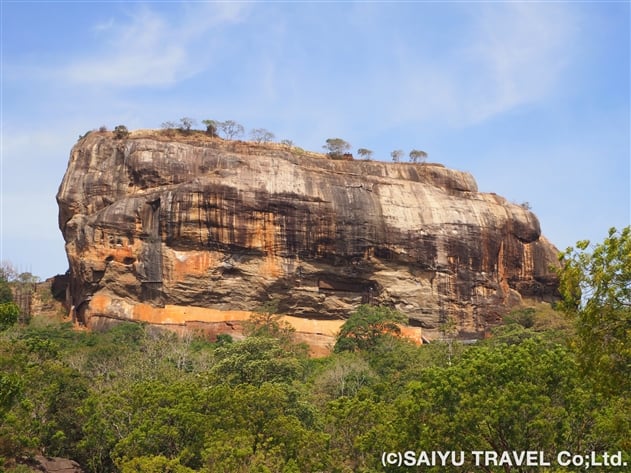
[189, 229]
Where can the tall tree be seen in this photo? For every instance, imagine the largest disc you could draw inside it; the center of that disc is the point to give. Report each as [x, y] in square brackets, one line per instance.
[367, 326]
[495, 398]
[336, 147]
[255, 360]
[9, 313]
[6, 294]
[596, 290]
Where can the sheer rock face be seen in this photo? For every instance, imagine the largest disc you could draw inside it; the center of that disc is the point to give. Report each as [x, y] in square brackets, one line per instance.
[225, 225]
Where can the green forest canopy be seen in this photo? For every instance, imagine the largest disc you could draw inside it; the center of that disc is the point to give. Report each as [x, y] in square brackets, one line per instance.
[134, 399]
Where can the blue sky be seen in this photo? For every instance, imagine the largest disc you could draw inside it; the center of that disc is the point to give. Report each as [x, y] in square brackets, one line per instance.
[532, 98]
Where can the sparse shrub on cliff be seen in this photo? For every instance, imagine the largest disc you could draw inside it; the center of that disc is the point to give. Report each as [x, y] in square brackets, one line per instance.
[396, 155]
[287, 143]
[169, 128]
[231, 129]
[186, 124]
[524, 317]
[417, 155]
[102, 129]
[84, 135]
[336, 147]
[211, 127]
[224, 339]
[297, 151]
[121, 132]
[168, 125]
[261, 135]
[364, 153]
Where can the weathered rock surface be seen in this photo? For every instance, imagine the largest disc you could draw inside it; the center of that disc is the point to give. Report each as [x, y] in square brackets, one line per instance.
[154, 225]
[55, 465]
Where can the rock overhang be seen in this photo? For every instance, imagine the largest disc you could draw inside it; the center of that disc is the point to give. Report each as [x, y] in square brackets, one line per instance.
[227, 225]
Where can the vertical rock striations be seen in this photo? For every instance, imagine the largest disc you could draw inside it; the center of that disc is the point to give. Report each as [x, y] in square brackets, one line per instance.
[153, 226]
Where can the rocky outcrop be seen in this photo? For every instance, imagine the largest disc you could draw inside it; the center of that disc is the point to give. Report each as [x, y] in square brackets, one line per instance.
[55, 465]
[154, 225]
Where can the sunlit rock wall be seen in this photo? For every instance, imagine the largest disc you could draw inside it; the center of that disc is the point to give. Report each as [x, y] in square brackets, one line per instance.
[156, 222]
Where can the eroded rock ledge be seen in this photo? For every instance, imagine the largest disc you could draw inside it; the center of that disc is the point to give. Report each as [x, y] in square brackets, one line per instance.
[227, 225]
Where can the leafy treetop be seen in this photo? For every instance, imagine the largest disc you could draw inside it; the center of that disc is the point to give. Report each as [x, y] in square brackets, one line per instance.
[261, 135]
[211, 127]
[417, 155]
[336, 147]
[231, 129]
[596, 290]
[121, 132]
[368, 326]
[364, 153]
[396, 155]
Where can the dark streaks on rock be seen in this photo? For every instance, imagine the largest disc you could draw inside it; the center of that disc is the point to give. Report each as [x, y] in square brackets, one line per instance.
[228, 225]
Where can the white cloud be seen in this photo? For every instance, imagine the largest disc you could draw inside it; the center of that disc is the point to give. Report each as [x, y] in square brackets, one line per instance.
[151, 49]
[519, 55]
[510, 54]
[104, 25]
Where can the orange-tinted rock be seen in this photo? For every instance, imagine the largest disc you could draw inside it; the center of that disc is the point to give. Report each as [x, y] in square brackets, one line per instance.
[153, 225]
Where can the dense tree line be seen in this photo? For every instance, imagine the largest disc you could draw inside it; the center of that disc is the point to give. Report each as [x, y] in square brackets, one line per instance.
[135, 399]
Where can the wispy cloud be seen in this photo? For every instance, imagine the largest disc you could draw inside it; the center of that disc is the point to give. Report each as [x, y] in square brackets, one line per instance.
[151, 48]
[509, 54]
[104, 25]
[518, 57]
[500, 57]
